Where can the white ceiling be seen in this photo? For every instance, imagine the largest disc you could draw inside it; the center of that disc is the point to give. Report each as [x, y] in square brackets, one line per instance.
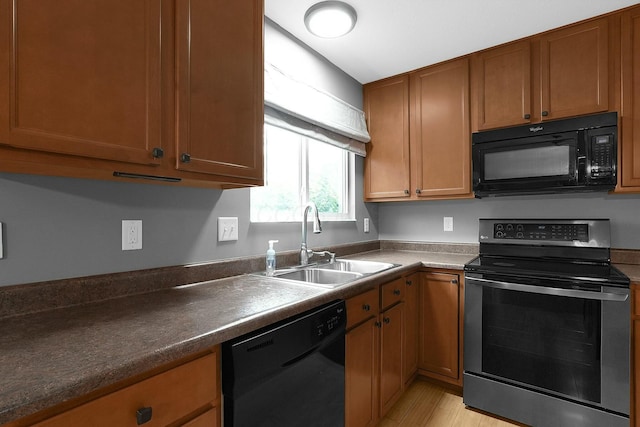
[394, 36]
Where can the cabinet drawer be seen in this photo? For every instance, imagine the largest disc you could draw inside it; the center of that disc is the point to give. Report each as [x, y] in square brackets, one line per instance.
[635, 289]
[361, 307]
[171, 395]
[211, 418]
[392, 293]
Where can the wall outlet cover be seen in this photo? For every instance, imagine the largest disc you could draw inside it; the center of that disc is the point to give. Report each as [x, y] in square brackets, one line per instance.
[131, 234]
[1, 241]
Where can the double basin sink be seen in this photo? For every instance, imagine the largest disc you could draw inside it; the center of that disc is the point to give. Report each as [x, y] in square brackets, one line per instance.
[331, 274]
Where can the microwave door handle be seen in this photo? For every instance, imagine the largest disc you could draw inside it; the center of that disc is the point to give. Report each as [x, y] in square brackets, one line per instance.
[574, 293]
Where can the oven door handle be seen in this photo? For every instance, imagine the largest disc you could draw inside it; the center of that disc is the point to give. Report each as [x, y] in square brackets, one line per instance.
[574, 293]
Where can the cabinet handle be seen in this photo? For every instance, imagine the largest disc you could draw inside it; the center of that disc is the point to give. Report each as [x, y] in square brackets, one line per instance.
[143, 415]
[387, 320]
[407, 192]
[545, 113]
[366, 307]
[527, 116]
[454, 281]
[408, 282]
[418, 191]
[185, 158]
[157, 153]
[378, 324]
[396, 291]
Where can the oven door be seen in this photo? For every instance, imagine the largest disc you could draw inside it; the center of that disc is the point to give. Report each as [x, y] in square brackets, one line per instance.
[561, 339]
[536, 164]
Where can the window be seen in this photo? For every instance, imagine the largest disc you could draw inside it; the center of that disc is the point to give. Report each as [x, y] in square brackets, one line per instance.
[300, 169]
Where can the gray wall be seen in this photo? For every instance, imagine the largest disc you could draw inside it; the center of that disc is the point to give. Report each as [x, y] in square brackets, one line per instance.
[62, 227]
[423, 221]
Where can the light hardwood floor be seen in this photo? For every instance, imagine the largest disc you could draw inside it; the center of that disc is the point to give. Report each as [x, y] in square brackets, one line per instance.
[427, 404]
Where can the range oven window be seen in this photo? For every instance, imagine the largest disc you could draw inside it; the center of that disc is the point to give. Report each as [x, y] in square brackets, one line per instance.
[546, 341]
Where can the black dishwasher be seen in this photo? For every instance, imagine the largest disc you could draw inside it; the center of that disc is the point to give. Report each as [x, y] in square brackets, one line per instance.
[290, 373]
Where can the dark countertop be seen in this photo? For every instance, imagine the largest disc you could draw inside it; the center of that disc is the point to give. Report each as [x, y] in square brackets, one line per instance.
[53, 356]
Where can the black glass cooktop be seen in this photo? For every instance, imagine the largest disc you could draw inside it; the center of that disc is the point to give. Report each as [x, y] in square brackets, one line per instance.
[548, 268]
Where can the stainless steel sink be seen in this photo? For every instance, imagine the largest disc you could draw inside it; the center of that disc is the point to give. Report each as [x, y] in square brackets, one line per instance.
[320, 277]
[356, 266]
[331, 274]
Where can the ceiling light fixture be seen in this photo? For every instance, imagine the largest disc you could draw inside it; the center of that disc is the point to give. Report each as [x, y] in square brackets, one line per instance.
[330, 19]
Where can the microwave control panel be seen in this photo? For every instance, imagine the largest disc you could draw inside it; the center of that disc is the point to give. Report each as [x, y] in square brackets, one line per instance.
[602, 156]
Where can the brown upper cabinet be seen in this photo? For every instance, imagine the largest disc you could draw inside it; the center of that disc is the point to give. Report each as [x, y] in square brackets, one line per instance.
[220, 87]
[82, 78]
[433, 159]
[386, 169]
[557, 74]
[440, 136]
[629, 176]
[152, 88]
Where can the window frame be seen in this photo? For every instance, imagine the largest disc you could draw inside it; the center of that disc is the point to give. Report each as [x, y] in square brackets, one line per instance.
[347, 190]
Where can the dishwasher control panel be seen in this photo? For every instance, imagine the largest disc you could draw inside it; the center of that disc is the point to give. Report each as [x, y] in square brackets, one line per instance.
[329, 321]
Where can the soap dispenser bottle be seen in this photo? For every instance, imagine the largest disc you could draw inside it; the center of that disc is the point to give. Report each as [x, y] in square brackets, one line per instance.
[271, 258]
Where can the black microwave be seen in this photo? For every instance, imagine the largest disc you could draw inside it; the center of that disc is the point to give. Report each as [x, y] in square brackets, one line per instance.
[568, 155]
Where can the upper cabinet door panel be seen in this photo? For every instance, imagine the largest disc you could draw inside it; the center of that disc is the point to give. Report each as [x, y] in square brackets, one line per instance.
[502, 86]
[82, 77]
[440, 136]
[574, 64]
[630, 113]
[386, 171]
[220, 87]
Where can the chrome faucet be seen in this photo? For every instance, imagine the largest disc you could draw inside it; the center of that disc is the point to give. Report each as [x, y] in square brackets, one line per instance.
[305, 253]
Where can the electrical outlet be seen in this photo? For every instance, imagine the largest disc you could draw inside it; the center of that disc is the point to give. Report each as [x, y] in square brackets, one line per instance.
[227, 228]
[448, 223]
[131, 234]
[366, 225]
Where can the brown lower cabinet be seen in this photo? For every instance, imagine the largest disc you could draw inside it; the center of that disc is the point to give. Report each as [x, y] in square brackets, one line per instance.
[186, 395]
[441, 299]
[380, 349]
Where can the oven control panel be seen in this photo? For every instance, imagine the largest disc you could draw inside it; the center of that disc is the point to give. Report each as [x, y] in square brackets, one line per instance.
[541, 232]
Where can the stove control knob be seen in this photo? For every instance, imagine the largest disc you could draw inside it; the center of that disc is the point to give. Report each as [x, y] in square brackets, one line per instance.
[499, 234]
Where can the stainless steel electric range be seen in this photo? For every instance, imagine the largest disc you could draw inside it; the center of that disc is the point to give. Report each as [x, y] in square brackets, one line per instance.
[547, 324]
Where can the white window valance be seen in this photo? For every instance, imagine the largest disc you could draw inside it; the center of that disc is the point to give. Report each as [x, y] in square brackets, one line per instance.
[302, 108]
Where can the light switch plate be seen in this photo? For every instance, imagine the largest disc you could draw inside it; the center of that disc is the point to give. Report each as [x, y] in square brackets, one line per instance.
[1, 241]
[366, 225]
[448, 223]
[227, 228]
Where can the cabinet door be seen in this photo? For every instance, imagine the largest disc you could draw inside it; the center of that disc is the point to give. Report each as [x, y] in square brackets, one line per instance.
[630, 113]
[574, 70]
[82, 77]
[439, 335]
[410, 334]
[391, 354]
[386, 167]
[361, 375]
[502, 86]
[171, 395]
[220, 87]
[440, 137]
